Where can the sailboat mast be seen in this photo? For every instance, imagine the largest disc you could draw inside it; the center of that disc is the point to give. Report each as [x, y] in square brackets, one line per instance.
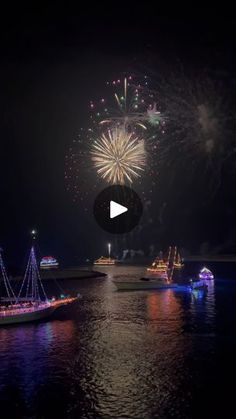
[10, 293]
[32, 282]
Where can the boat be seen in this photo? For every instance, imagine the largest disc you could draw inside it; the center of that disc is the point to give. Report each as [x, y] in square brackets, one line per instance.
[178, 263]
[159, 267]
[205, 273]
[144, 284]
[164, 268]
[106, 261]
[31, 303]
[25, 312]
[103, 261]
[49, 262]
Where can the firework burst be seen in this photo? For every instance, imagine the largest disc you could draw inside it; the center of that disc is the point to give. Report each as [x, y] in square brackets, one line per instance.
[198, 136]
[119, 156]
[132, 106]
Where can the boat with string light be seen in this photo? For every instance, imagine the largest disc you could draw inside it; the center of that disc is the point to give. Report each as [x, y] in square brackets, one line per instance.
[164, 268]
[31, 303]
[103, 261]
[49, 262]
[206, 274]
[158, 276]
[106, 261]
[178, 262]
[159, 267]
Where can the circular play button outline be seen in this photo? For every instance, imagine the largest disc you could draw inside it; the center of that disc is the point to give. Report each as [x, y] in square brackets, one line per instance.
[117, 209]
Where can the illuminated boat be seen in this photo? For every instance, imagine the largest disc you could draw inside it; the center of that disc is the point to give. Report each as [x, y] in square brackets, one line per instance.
[159, 267]
[178, 263]
[31, 303]
[164, 269]
[205, 274]
[26, 311]
[48, 262]
[103, 261]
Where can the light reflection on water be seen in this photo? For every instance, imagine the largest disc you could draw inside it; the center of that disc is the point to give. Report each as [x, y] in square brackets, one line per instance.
[114, 355]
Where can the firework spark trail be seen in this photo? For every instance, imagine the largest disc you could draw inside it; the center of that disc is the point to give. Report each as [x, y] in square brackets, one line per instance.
[129, 109]
[119, 156]
[182, 128]
[199, 126]
[136, 107]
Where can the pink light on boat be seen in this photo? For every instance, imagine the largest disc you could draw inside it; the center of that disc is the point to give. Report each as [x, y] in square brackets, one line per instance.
[205, 273]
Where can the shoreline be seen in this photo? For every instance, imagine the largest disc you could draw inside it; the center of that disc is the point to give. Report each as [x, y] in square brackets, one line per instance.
[64, 274]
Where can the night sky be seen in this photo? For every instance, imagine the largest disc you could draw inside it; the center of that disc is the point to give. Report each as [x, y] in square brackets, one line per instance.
[50, 68]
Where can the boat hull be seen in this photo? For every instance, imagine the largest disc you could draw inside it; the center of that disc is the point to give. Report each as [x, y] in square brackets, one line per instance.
[206, 278]
[27, 317]
[143, 285]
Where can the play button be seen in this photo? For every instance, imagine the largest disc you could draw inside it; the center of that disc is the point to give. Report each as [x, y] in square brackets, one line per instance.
[117, 209]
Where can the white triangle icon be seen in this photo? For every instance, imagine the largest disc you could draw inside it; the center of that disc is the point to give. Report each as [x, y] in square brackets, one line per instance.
[116, 209]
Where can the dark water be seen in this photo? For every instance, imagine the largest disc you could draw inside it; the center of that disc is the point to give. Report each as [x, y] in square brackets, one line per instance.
[146, 354]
